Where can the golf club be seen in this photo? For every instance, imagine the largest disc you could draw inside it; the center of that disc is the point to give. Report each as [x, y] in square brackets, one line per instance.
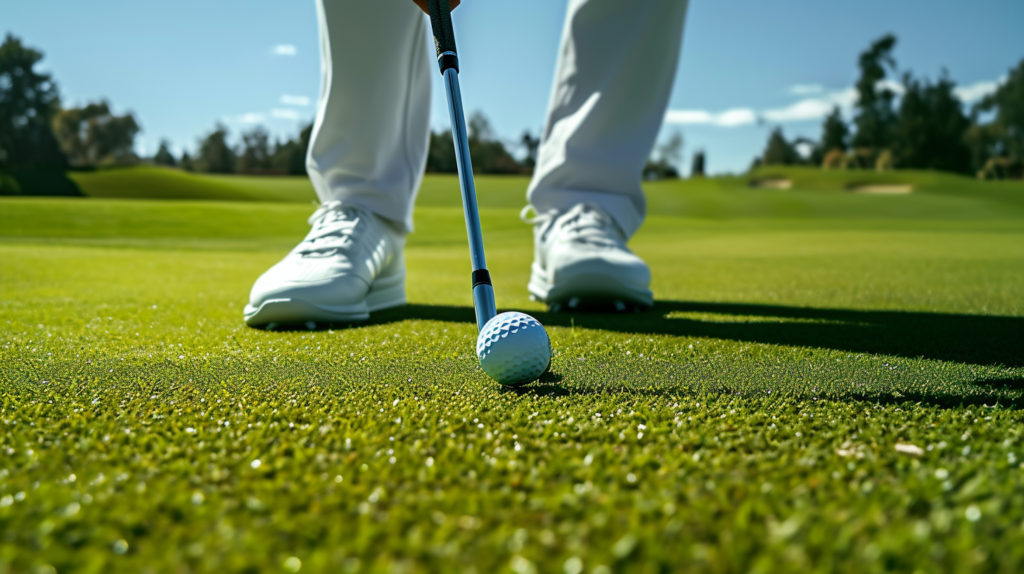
[448, 61]
[513, 347]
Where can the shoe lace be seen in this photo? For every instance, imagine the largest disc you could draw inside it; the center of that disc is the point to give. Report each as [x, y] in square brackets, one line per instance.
[584, 223]
[334, 225]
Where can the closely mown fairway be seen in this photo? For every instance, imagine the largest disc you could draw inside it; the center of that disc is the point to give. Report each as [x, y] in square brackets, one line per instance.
[829, 382]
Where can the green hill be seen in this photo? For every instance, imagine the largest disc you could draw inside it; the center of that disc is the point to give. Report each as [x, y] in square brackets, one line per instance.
[790, 192]
[149, 182]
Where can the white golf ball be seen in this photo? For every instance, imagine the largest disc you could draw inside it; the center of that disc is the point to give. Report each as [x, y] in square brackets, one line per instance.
[513, 348]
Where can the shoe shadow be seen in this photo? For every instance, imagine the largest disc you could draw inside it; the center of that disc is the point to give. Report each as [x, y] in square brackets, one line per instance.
[974, 339]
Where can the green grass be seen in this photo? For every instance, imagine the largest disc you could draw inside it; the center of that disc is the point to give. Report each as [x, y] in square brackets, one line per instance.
[748, 423]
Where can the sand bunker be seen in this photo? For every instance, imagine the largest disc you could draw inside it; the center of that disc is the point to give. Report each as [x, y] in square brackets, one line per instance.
[772, 183]
[882, 189]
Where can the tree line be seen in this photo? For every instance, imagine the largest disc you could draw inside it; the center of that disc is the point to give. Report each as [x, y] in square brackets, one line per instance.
[256, 154]
[37, 132]
[924, 127]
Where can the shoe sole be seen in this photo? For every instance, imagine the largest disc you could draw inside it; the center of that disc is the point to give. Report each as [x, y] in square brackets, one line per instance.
[588, 290]
[384, 294]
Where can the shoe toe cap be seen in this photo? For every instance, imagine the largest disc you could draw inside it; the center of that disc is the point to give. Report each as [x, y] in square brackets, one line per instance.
[283, 281]
[623, 265]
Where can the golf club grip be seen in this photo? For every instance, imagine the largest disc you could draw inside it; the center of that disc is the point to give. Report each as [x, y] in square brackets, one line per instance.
[444, 34]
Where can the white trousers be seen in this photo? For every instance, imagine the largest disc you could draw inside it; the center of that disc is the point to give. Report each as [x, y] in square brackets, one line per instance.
[616, 65]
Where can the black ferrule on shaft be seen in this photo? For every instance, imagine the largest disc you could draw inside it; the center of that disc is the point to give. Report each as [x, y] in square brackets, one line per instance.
[444, 34]
[481, 277]
[448, 60]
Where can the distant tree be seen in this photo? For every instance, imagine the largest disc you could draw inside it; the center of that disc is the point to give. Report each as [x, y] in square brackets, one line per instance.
[929, 133]
[479, 127]
[290, 155]
[1003, 137]
[664, 162]
[986, 142]
[164, 156]
[833, 159]
[671, 151]
[1002, 168]
[531, 144]
[215, 155]
[488, 154]
[697, 168]
[441, 154]
[256, 155]
[779, 151]
[186, 162]
[28, 102]
[885, 161]
[835, 134]
[876, 114]
[92, 135]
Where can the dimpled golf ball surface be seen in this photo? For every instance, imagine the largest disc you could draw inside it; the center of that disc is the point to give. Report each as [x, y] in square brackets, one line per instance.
[513, 348]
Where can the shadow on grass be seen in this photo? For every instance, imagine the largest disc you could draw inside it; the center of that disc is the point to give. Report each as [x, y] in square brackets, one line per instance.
[1001, 400]
[974, 339]
[948, 400]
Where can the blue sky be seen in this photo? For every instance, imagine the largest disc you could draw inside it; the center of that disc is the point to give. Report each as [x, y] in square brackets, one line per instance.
[182, 66]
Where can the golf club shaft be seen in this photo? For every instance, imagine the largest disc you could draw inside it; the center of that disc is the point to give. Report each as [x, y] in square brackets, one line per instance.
[444, 41]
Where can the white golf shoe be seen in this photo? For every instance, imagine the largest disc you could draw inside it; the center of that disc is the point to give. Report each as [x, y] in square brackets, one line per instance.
[350, 264]
[581, 260]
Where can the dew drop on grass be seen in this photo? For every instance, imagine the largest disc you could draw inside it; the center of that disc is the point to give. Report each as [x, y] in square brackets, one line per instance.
[973, 513]
[292, 564]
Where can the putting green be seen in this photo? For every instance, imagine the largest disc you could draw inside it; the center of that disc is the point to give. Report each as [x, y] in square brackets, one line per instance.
[829, 382]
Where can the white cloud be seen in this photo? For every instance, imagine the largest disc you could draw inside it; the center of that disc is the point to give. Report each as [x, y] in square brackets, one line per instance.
[976, 91]
[806, 89]
[251, 118]
[290, 100]
[736, 117]
[284, 114]
[688, 117]
[802, 110]
[284, 50]
[809, 109]
[896, 87]
[728, 118]
[812, 108]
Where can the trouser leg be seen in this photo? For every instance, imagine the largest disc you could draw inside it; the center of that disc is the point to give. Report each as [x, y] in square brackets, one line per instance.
[615, 71]
[369, 142]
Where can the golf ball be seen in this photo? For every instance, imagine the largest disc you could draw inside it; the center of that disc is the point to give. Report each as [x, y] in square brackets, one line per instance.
[513, 348]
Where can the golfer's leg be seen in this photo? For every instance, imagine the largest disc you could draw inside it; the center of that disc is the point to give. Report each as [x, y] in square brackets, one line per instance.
[615, 70]
[366, 159]
[369, 143]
